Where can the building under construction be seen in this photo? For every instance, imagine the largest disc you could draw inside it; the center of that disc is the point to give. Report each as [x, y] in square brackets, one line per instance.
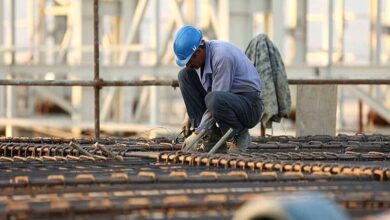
[91, 114]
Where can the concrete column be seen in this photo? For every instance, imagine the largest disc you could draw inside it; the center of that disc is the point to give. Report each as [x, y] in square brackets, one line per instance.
[301, 32]
[9, 38]
[339, 26]
[316, 110]
[330, 39]
[81, 19]
[241, 23]
[339, 51]
[375, 31]
[31, 21]
[278, 24]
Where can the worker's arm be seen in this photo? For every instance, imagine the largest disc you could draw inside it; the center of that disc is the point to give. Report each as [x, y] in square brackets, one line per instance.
[222, 81]
[206, 123]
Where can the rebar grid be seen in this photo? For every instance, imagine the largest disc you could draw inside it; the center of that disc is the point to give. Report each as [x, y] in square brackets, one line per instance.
[51, 177]
[97, 83]
[80, 205]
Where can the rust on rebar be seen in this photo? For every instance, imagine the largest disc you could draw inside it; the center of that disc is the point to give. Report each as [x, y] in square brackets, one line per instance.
[47, 178]
[109, 153]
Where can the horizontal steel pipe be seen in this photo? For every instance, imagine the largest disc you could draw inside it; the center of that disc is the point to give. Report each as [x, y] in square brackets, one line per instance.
[339, 81]
[174, 83]
[89, 83]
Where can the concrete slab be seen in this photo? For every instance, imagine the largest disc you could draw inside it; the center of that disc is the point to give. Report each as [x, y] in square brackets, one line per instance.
[316, 110]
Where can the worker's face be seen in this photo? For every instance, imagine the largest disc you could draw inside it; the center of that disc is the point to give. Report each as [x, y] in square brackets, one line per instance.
[197, 59]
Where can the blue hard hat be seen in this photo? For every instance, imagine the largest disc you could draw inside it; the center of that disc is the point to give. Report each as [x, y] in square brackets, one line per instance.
[187, 40]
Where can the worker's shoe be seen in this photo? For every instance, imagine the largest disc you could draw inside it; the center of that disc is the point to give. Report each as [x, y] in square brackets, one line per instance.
[211, 139]
[240, 143]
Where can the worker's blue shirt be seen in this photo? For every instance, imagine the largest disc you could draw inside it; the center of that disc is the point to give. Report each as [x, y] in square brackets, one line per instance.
[228, 69]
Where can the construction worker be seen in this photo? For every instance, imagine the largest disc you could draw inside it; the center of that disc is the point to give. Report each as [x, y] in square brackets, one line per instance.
[220, 86]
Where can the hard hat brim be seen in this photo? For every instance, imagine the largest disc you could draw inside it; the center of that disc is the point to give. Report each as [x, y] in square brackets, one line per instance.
[182, 63]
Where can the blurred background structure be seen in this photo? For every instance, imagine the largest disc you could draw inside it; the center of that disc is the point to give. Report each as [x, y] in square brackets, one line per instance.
[53, 40]
[72, 176]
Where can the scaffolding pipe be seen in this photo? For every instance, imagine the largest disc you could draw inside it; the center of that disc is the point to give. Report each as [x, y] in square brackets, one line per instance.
[90, 83]
[339, 81]
[97, 87]
[174, 83]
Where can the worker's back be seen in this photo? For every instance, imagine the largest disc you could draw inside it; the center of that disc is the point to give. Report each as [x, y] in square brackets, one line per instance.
[224, 58]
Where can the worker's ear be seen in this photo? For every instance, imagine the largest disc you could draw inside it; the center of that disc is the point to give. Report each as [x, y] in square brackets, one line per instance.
[196, 52]
[199, 51]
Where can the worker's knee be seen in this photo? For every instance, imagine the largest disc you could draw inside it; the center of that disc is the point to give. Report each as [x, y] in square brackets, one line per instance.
[214, 101]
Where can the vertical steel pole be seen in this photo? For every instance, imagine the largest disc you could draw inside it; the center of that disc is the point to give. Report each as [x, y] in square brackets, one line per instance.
[10, 58]
[361, 125]
[330, 38]
[262, 130]
[96, 67]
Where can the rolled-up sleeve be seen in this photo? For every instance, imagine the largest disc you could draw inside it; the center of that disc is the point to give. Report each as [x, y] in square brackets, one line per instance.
[223, 74]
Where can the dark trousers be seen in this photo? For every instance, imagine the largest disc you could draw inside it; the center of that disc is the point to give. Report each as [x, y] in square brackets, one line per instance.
[230, 110]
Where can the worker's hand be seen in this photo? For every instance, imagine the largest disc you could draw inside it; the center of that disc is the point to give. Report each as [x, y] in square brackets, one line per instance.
[186, 126]
[190, 141]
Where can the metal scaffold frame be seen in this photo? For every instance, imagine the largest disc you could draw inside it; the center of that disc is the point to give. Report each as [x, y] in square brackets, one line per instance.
[98, 83]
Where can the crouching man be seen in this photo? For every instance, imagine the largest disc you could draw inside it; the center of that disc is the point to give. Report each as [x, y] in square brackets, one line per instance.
[220, 87]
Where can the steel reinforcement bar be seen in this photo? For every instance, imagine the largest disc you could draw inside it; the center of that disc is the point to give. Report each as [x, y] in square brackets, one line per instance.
[310, 144]
[358, 138]
[172, 206]
[265, 152]
[89, 187]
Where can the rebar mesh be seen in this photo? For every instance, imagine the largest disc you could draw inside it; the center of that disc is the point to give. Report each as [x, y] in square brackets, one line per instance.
[45, 178]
